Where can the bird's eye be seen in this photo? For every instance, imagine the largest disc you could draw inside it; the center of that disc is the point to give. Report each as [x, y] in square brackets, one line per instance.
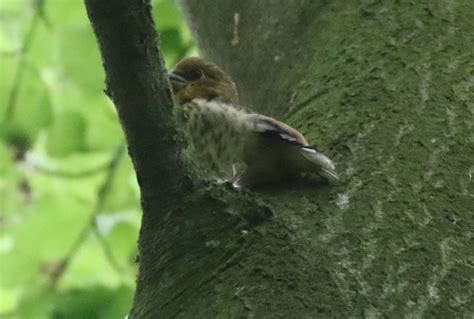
[193, 75]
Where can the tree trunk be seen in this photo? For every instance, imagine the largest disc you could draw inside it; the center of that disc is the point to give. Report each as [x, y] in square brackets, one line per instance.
[386, 89]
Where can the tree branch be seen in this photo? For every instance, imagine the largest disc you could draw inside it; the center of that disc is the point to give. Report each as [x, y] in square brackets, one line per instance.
[188, 231]
[137, 83]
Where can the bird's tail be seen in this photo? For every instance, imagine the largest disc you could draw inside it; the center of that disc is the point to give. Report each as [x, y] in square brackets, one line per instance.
[319, 163]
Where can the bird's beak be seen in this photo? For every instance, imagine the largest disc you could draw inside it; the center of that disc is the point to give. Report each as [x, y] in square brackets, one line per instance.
[177, 81]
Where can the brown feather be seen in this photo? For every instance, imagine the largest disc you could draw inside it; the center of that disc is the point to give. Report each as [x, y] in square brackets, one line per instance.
[235, 144]
[287, 129]
[205, 80]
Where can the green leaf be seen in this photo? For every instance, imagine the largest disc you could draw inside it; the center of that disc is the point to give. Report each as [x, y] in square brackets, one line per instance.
[8, 65]
[60, 13]
[43, 48]
[103, 126]
[172, 45]
[16, 18]
[44, 235]
[74, 166]
[120, 231]
[31, 109]
[122, 195]
[80, 40]
[11, 182]
[91, 302]
[67, 135]
[175, 38]
[37, 303]
[10, 299]
[167, 14]
[94, 302]
[91, 267]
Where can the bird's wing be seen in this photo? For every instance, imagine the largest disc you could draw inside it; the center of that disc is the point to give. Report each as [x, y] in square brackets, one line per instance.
[305, 157]
[270, 127]
[320, 164]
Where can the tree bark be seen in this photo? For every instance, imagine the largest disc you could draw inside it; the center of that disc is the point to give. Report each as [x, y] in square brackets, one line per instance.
[384, 88]
[190, 231]
[136, 82]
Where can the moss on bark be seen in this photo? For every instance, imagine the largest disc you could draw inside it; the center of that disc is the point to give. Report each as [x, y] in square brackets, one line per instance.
[385, 88]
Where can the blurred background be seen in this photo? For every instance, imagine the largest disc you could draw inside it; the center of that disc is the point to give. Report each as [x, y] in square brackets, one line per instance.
[69, 202]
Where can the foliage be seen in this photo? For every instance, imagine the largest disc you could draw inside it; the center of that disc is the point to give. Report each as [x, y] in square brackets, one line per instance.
[69, 203]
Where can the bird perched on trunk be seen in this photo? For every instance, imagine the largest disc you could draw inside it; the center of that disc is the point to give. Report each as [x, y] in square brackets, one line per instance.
[237, 145]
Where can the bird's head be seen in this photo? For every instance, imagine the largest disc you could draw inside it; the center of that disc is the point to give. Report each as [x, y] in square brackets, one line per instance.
[195, 78]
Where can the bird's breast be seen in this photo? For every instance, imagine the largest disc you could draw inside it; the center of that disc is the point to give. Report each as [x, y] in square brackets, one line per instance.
[217, 133]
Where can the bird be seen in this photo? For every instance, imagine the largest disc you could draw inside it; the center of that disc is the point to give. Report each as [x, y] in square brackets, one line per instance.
[231, 142]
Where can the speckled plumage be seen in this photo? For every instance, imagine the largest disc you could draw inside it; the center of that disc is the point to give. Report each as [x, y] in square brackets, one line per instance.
[234, 144]
[217, 133]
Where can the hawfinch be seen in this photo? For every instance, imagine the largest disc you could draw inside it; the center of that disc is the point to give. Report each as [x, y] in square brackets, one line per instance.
[232, 143]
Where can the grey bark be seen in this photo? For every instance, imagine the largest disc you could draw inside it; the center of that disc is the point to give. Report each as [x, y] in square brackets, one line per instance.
[386, 89]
